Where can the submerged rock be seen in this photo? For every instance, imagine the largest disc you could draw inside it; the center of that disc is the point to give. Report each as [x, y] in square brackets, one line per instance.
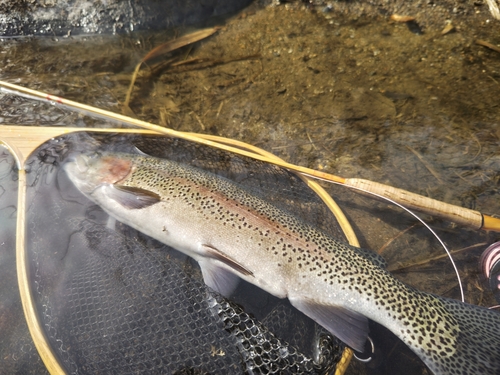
[63, 17]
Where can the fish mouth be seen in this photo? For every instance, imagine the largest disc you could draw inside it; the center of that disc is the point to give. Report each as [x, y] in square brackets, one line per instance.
[77, 169]
[77, 163]
[82, 163]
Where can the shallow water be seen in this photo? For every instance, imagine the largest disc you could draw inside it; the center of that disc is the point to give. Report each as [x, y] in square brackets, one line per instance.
[352, 94]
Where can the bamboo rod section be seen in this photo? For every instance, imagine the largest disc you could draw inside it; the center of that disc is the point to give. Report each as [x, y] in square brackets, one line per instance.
[426, 205]
[455, 214]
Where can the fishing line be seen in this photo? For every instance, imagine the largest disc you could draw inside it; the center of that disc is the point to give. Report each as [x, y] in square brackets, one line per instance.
[55, 100]
[416, 217]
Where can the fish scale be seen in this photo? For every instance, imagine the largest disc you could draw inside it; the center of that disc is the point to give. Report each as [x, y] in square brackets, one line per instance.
[233, 233]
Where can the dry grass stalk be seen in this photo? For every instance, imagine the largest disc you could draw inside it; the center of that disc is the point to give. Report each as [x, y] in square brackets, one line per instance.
[402, 19]
[488, 45]
[494, 10]
[167, 47]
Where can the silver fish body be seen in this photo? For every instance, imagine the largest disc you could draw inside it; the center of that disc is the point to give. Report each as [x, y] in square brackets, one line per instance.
[232, 233]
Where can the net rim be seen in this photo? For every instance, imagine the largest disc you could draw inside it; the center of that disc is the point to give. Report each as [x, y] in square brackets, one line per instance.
[34, 137]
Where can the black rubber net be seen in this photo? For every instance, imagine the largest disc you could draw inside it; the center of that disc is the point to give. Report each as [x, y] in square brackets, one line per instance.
[114, 301]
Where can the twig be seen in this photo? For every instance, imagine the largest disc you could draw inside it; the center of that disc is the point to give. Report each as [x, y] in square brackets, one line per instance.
[220, 108]
[204, 64]
[384, 246]
[426, 164]
[488, 45]
[199, 121]
[311, 141]
[428, 260]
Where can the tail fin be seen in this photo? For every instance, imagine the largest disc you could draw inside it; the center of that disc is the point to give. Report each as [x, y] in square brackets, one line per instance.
[477, 342]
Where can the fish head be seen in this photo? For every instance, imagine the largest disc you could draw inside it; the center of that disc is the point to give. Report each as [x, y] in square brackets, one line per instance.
[90, 172]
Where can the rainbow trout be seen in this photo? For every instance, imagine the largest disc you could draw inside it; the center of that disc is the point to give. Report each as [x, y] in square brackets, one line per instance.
[234, 234]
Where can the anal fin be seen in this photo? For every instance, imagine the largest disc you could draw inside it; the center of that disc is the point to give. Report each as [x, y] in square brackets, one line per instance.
[349, 326]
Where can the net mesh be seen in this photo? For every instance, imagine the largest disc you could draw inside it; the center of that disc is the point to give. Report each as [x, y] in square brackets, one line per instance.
[112, 300]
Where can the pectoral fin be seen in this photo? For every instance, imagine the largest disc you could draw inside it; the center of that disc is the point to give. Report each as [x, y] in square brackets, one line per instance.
[132, 197]
[347, 325]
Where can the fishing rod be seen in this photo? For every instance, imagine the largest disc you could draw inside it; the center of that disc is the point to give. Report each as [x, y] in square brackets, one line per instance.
[459, 215]
[23, 140]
